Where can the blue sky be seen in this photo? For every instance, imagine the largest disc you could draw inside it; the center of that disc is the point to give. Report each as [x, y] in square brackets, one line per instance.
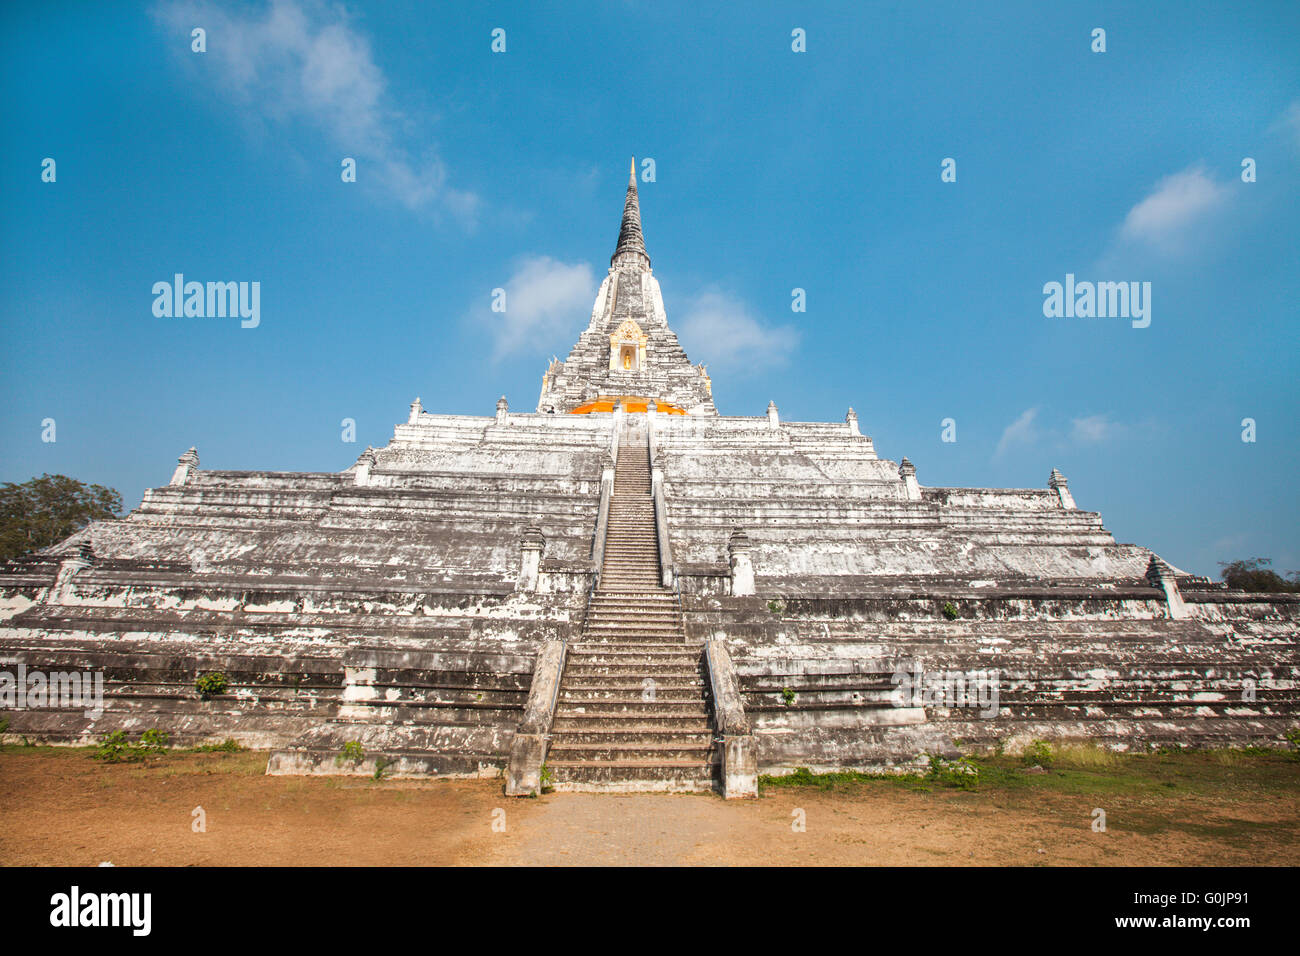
[773, 170]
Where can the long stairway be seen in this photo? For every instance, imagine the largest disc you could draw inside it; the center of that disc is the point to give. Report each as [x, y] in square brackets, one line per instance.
[632, 712]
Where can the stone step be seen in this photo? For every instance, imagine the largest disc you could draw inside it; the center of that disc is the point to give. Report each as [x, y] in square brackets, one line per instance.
[639, 670]
[634, 775]
[655, 709]
[630, 723]
[633, 687]
[657, 652]
[607, 629]
[602, 736]
[601, 677]
[651, 662]
[631, 594]
[612, 752]
[582, 696]
[624, 608]
[619, 626]
[611, 620]
[629, 645]
[614, 600]
[664, 615]
[663, 612]
[662, 641]
[660, 617]
[645, 642]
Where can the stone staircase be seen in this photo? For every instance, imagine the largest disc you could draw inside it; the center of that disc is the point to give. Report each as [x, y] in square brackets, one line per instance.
[632, 712]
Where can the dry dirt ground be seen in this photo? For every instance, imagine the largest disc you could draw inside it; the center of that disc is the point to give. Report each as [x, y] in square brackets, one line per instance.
[60, 806]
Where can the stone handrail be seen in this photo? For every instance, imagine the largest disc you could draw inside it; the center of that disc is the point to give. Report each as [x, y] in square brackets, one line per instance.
[739, 752]
[660, 505]
[528, 751]
[602, 522]
[661, 529]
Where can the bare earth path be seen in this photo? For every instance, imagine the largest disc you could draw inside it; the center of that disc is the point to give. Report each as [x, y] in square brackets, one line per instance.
[61, 807]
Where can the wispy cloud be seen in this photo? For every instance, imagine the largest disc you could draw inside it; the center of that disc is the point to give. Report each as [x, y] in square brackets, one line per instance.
[1022, 431]
[1177, 203]
[1030, 429]
[304, 61]
[1289, 123]
[545, 300]
[1095, 429]
[716, 328]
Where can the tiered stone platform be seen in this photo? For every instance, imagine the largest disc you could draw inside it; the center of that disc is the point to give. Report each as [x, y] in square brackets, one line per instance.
[667, 599]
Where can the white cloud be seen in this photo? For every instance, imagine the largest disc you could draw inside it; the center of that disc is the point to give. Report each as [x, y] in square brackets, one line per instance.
[305, 61]
[1176, 204]
[1021, 431]
[717, 329]
[1094, 428]
[1089, 430]
[545, 299]
[1289, 123]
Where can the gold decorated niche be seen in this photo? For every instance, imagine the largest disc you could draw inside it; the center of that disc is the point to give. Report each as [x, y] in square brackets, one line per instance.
[627, 348]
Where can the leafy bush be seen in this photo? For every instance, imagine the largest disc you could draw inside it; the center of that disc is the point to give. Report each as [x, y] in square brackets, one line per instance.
[547, 779]
[351, 752]
[153, 740]
[114, 748]
[961, 773]
[776, 606]
[117, 747]
[788, 696]
[950, 610]
[228, 746]
[211, 684]
[1039, 752]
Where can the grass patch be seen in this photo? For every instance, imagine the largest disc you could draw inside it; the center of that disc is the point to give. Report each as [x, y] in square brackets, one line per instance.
[803, 777]
[1082, 756]
[227, 746]
[1087, 770]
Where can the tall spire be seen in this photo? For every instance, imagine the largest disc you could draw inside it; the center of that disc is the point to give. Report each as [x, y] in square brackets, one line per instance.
[631, 244]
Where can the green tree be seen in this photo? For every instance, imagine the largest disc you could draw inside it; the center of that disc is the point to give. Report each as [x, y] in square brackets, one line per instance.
[45, 510]
[1253, 574]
